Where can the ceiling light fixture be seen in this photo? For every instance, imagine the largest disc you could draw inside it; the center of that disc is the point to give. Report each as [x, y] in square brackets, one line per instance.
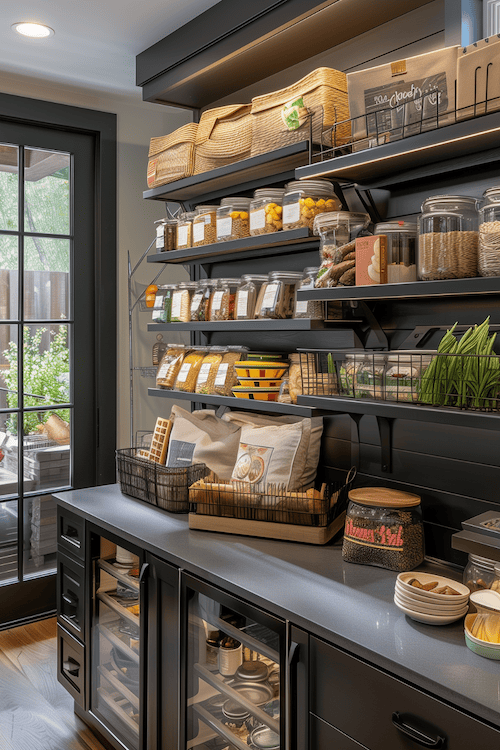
[34, 30]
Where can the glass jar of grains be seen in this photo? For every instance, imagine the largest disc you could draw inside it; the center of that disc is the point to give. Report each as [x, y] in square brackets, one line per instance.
[313, 309]
[208, 370]
[479, 573]
[181, 302]
[204, 225]
[304, 200]
[226, 378]
[401, 250]
[200, 301]
[166, 230]
[278, 300]
[489, 233]
[188, 374]
[185, 230]
[266, 211]
[246, 296]
[384, 528]
[448, 238]
[233, 222]
[223, 299]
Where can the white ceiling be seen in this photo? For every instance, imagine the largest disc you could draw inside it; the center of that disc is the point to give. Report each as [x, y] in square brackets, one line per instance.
[95, 41]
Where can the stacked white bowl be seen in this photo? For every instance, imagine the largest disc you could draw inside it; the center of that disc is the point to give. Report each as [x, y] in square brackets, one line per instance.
[427, 606]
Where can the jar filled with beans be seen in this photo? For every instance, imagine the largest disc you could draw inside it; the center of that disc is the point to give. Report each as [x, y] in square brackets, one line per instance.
[185, 230]
[226, 379]
[304, 200]
[489, 233]
[188, 373]
[266, 211]
[205, 225]
[246, 296]
[169, 366]
[181, 302]
[208, 370]
[200, 301]
[313, 309]
[223, 299]
[166, 230]
[278, 300]
[233, 219]
[448, 238]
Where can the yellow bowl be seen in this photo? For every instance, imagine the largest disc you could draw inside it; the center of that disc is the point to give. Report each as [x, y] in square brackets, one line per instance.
[256, 394]
[260, 382]
[267, 370]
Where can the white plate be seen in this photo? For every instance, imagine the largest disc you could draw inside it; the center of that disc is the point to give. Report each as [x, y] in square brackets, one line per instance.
[444, 606]
[436, 611]
[463, 591]
[428, 619]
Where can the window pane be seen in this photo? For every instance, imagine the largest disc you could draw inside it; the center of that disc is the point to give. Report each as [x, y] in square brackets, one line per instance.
[39, 535]
[46, 450]
[9, 263]
[46, 278]
[46, 192]
[8, 369]
[8, 541]
[9, 187]
[9, 453]
[46, 369]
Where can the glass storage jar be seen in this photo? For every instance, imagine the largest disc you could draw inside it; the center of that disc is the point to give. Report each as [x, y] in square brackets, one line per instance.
[266, 211]
[233, 222]
[401, 250]
[448, 238]
[190, 368]
[166, 230]
[369, 380]
[479, 573]
[383, 528]
[223, 299]
[204, 225]
[313, 309]
[185, 230]
[347, 370]
[336, 230]
[226, 378]
[304, 200]
[489, 234]
[200, 301]
[246, 296]
[404, 372]
[181, 302]
[163, 303]
[278, 300]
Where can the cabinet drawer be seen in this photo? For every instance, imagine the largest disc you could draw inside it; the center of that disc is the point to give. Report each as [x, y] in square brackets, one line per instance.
[326, 737]
[71, 665]
[71, 595]
[70, 534]
[360, 700]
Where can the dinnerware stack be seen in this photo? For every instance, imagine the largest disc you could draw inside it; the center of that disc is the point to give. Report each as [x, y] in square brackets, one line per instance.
[423, 604]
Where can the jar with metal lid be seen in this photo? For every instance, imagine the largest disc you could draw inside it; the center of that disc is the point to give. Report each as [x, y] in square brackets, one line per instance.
[304, 200]
[181, 302]
[448, 238]
[204, 225]
[223, 299]
[266, 211]
[185, 230]
[278, 300]
[233, 219]
[188, 374]
[403, 373]
[200, 301]
[336, 230]
[208, 370]
[313, 309]
[401, 250]
[384, 528]
[163, 303]
[166, 230]
[489, 233]
[479, 573]
[246, 296]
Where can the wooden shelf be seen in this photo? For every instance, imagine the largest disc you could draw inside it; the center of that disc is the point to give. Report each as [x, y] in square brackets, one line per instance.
[115, 682]
[235, 403]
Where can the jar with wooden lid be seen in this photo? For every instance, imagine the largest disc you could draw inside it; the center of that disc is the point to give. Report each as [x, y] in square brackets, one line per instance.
[188, 373]
[266, 211]
[233, 219]
[246, 296]
[204, 225]
[166, 230]
[223, 299]
[304, 200]
[278, 300]
[185, 230]
[200, 300]
[384, 528]
[181, 302]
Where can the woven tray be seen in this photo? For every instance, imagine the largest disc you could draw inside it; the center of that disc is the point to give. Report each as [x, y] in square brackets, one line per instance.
[171, 157]
[224, 136]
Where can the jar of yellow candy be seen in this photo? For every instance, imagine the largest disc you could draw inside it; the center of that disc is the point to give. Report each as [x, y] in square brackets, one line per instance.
[233, 219]
[266, 211]
[304, 200]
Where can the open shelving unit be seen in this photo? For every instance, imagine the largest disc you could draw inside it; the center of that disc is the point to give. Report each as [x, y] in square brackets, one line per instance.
[231, 402]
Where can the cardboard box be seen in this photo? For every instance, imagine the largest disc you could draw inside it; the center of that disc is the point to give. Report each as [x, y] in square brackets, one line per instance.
[478, 71]
[371, 260]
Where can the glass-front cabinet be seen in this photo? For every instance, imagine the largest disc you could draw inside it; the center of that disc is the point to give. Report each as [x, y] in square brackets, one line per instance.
[234, 676]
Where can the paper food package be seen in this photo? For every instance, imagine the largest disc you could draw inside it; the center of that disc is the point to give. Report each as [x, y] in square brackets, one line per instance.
[371, 260]
[416, 93]
[478, 71]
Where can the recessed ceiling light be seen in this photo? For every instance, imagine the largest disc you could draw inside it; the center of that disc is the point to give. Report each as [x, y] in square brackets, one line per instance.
[35, 30]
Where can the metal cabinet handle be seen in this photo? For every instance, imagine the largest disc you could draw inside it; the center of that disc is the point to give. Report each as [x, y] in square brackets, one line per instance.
[71, 601]
[415, 734]
[71, 667]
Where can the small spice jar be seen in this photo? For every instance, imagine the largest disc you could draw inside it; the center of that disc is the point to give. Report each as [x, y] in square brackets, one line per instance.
[181, 302]
[278, 300]
[188, 374]
[479, 573]
[233, 219]
[448, 238]
[304, 200]
[223, 299]
[336, 229]
[200, 301]
[313, 309]
[401, 250]
[266, 211]
[246, 296]
[166, 230]
[204, 225]
[489, 234]
[384, 528]
[230, 655]
[208, 370]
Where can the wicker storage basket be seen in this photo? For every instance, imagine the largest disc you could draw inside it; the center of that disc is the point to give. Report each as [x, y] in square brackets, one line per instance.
[224, 136]
[156, 484]
[171, 157]
[324, 97]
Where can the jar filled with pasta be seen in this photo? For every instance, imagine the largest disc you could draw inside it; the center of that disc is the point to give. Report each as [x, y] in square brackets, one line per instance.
[181, 302]
[304, 200]
[200, 301]
[204, 225]
[278, 300]
[246, 296]
[223, 299]
[169, 366]
[266, 211]
[313, 309]
[226, 379]
[189, 371]
[185, 230]
[208, 370]
[233, 219]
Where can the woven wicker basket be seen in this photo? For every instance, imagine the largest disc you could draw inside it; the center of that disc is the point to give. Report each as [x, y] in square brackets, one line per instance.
[224, 136]
[171, 157]
[324, 95]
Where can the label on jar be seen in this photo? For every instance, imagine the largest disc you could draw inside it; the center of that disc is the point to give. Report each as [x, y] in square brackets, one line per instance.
[221, 374]
[270, 296]
[301, 307]
[158, 309]
[183, 372]
[176, 305]
[242, 309]
[376, 535]
[198, 231]
[160, 237]
[182, 236]
[291, 213]
[224, 227]
[195, 302]
[203, 374]
[257, 219]
[217, 301]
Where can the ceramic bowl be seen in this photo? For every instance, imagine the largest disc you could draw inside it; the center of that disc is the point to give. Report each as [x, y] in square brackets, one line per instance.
[268, 370]
[430, 610]
[428, 619]
[443, 606]
[481, 648]
[256, 394]
[260, 382]
[463, 591]
[265, 356]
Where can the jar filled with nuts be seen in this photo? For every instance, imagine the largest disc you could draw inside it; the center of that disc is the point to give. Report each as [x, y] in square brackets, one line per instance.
[188, 374]
[448, 238]
[166, 230]
[246, 296]
[185, 230]
[479, 573]
[208, 370]
[204, 225]
[200, 301]
[304, 200]
[233, 222]
[313, 309]
[181, 302]
[489, 233]
[278, 299]
[266, 211]
[223, 299]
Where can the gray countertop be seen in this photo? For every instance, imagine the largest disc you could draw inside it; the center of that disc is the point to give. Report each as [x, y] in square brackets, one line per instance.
[349, 605]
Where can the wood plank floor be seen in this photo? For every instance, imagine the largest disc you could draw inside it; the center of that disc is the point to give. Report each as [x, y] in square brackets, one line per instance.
[36, 712]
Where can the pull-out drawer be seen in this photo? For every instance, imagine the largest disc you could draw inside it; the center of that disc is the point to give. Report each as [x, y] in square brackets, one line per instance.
[70, 533]
[71, 595]
[326, 737]
[384, 713]
[71, 665]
